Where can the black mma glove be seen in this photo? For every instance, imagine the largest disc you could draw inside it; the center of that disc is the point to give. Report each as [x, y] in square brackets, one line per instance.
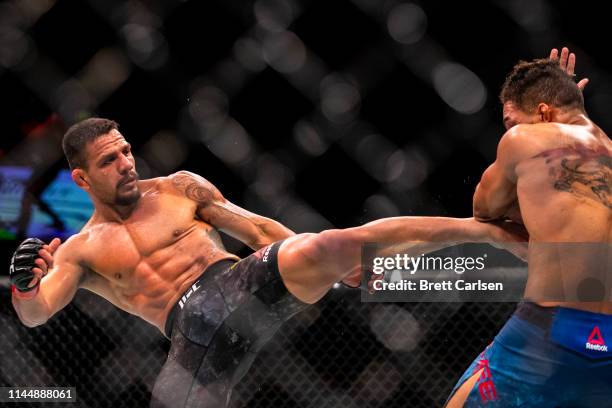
[22, 263]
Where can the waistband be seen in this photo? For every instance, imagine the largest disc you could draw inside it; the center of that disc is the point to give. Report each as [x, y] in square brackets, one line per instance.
[208, 273]
[535, 314]
[543, 317]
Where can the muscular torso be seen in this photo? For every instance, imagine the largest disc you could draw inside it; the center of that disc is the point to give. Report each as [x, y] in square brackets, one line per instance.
[565, 194]
[144, 264]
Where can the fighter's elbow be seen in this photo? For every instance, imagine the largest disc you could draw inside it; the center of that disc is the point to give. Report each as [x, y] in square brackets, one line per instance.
[478, 205]
[481, 214]
[30, 318]
[269, 231]
[32, 323]
[486, 215]
[482, 219]
[479, 210]
[482, 210]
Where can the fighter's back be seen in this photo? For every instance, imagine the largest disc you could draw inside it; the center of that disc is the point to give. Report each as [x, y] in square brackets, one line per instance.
[557, 165]
[564, 188]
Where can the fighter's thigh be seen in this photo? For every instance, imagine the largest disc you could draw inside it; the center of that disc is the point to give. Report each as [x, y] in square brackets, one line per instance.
[173, 385]
[310, 264]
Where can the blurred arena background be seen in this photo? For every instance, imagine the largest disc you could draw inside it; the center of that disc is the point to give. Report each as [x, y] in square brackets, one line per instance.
[316, 113]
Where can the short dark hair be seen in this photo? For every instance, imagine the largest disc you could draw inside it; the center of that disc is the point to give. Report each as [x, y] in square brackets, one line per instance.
[540, 81]
[81, 133]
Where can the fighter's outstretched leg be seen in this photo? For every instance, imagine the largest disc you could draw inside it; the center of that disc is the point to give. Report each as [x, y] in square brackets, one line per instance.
[311, 263]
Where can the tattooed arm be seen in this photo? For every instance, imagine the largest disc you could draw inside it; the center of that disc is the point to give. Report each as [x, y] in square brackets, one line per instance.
[252, 229]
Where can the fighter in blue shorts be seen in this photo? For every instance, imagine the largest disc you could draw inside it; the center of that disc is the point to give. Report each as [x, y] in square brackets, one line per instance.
[553, 172]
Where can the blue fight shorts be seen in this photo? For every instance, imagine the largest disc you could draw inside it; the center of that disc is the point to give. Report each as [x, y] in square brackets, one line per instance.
[545, 357]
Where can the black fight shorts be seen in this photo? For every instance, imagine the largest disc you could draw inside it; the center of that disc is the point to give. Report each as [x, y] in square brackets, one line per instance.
[217, 328]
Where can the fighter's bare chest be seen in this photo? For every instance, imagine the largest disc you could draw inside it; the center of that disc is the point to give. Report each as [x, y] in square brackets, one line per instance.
[148, 236]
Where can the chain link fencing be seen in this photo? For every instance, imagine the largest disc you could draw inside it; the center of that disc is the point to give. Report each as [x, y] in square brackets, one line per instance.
[318, 114]
[338, 353]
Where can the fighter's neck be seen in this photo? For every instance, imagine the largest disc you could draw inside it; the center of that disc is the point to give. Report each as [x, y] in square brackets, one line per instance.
[114, 213]
[573, 117]
[104, 212]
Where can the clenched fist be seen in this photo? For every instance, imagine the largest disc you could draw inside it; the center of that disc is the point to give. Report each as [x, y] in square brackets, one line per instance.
[30, 263]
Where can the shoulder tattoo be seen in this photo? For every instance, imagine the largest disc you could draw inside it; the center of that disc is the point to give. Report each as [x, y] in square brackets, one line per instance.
[582, 172]
[194, 187]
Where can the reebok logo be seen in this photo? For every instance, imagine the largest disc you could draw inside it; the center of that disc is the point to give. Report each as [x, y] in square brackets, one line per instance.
[266, 253]
[184, 298]
[596, 341]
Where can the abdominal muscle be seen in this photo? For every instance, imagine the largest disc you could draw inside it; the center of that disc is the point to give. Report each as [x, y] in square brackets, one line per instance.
[154, 284]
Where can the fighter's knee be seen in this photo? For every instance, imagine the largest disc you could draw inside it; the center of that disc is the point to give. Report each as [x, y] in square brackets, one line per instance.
[301, 249]
[338, 246]
[328, 247]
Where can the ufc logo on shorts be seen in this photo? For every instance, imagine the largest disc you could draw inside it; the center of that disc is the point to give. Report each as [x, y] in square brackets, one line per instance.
[184, 298]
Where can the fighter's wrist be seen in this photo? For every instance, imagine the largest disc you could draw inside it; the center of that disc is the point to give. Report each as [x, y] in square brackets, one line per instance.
[28, 294]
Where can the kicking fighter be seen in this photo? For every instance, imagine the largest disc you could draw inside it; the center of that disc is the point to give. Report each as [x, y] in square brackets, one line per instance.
[152, 248]
[553, 172]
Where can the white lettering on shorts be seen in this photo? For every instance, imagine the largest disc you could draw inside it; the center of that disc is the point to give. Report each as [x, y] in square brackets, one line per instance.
[266, 253]
[596, 341]
[186, 296]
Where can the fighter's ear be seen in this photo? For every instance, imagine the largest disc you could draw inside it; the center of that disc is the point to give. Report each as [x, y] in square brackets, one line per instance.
[545, 112]
[80, 178]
